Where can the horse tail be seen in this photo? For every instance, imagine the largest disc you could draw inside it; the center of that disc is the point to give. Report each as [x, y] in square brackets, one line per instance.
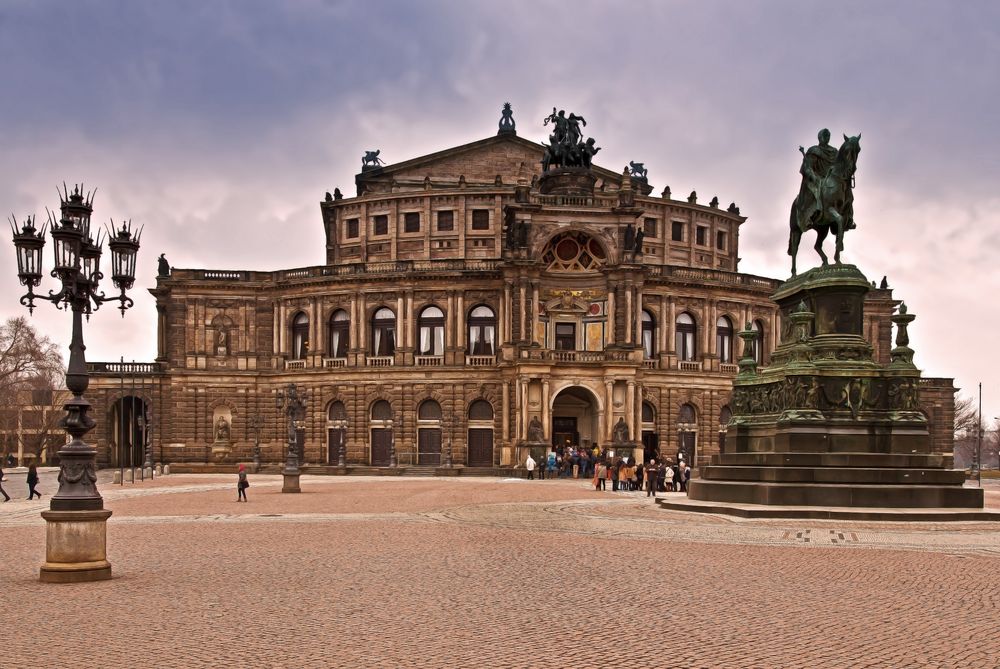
[793, 230]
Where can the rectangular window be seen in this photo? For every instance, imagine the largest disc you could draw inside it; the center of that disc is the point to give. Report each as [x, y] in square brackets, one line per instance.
[480, 219]
[565, 336]
[677, 231]
[720, 240]
[446, 221]
[352, 228]
[649, 228]
[381, 224]
[411, 221]
[700, 235]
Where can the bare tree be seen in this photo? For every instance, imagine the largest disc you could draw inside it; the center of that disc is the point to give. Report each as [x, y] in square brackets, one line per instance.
[967, 418]
[31, 367]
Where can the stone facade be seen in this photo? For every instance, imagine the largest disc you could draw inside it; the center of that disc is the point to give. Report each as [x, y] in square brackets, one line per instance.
[451, 280]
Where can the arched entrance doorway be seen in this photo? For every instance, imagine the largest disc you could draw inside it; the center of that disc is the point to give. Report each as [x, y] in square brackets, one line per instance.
[128, 425]
[576, 419]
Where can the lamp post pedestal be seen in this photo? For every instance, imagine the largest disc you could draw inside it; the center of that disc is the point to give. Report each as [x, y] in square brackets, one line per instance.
[290, 474]
[75, 546]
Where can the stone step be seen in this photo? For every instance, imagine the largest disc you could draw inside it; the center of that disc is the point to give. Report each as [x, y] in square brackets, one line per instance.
[900, 514]
[877, 460]
[821, 494]
[840, 475]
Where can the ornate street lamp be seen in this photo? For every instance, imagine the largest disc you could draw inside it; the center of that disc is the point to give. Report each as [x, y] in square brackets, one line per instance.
[293, 401]
[76, 536]
[341, 427]
[392, 440]
[449, 425]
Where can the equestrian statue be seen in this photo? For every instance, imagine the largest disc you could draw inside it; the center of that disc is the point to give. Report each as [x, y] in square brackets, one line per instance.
[825, 202]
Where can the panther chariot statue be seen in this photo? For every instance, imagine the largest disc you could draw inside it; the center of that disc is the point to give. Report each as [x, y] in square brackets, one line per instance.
[825, 202]
[566, 147]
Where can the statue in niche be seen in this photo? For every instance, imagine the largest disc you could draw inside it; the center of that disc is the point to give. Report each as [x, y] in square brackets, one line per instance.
[222, 342]
[222, 429]
[637, 244]
[535, 431]
[629, 238]
[620, 433]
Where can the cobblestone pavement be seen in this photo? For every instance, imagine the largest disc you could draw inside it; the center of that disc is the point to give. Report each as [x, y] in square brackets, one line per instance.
[379, 572]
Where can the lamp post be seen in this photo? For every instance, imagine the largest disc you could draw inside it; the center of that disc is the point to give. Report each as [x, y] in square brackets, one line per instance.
[449, 424]
[392, 440]
[76, 522]
[255, 423]
[341, 426]
[293, 401]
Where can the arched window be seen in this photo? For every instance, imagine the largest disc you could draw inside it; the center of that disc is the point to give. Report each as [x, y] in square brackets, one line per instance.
[687, 333]
[300, 336]
[724, 339]
[573, 252]
[430, 329]
[648, 413]
[383, 332]
[337, 411]
[686, 416]
[429, 410]
[648, 328]
[758, 342]
[482, 331]
[381, 410]
[480, 410]
[340, 334]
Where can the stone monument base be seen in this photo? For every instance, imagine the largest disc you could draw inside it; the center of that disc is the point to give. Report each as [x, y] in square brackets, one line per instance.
[290, 482]
[567, 181]
[75, 546]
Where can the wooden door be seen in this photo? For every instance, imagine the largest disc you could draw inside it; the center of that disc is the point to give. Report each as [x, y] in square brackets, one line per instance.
[564, 431]
[380, 447]
[688, 447]
[650, 449]
[480, 447]
[429, 446]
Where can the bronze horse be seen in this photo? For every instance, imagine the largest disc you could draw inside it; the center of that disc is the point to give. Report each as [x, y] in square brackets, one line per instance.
[834, 210]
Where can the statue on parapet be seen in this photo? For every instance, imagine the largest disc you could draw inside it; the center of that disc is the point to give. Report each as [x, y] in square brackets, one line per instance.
[638, 170]
[507, 125]
[371, 160]
[566, 147]
[162, 266]
[825, 202]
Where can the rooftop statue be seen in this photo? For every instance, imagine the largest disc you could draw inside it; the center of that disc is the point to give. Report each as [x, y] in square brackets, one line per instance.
[639, 170]
[825, 202]
[567, 147]
[371, 160]
[507, 125]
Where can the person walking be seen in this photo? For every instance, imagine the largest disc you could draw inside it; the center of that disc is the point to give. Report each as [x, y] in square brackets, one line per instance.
[600, 477]
[32, 482]
[652, 473]
[6, 497]
[529, 464]
[242, 484]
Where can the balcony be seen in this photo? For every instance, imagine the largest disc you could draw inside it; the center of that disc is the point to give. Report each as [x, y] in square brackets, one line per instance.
[379, 361]
[429, 360]
[689, 365]
[651, 363]
[295, 364]
[727, 368]
[480, 360]
[330, 363]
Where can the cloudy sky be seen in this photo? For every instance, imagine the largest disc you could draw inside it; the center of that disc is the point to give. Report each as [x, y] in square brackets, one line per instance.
[219, 125]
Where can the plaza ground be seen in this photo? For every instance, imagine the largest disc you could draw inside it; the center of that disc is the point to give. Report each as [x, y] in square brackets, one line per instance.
[390, 572]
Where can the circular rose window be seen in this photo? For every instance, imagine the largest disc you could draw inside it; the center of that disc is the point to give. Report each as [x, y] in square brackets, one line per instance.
[567, 249]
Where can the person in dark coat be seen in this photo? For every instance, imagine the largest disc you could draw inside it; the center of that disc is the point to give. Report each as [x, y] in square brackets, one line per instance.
[652, 474]
[6, 497]
[242, 484]
[32, 482]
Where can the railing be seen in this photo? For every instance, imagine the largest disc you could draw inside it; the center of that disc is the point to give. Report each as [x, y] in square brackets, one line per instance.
[480, 360]
[593, 201]
[224, 275]
[576, 356]
[379, 361]
[334, 362]
[728, 368]
[124, 368]
[689, 366]
[700, 275]
[295, 364]
[429, 360]
[650, 364]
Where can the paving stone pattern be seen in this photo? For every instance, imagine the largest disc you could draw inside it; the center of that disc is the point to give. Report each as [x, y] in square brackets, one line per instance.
[361, 572]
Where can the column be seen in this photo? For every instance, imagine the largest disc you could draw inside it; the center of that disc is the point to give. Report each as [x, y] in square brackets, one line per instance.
[664, 324]
[610, 335]
[505, 411]
[638, 315]
[609, 409]
[276, 329]
[315, 330]
[630, 407]
[401, 323]
[460, 322]
[637, 412]
[534, 311]
[505, 314]
[671, 324]
[629, 313]
[523, 409]
[449, 322]
[409, 312]
[522, 310]
[352, 332]
[282, 330]
[705, 327]
[546, 427]
[713, 317]
[362, 325]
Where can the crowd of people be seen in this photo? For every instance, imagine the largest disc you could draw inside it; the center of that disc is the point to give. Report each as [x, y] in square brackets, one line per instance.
[623, 472]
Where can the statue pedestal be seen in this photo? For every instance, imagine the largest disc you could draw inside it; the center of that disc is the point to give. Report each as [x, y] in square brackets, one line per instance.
[567, 181]
[537, 449]
[290, 481]
[75, 546]
[221, 451]
[824, 424]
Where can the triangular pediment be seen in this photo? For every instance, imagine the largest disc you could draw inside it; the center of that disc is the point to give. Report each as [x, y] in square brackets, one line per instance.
[508, 156]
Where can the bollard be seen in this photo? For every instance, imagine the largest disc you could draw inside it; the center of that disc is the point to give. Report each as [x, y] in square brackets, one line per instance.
[166, 470]
[118, 478]
[129, 476]
[159, 470]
